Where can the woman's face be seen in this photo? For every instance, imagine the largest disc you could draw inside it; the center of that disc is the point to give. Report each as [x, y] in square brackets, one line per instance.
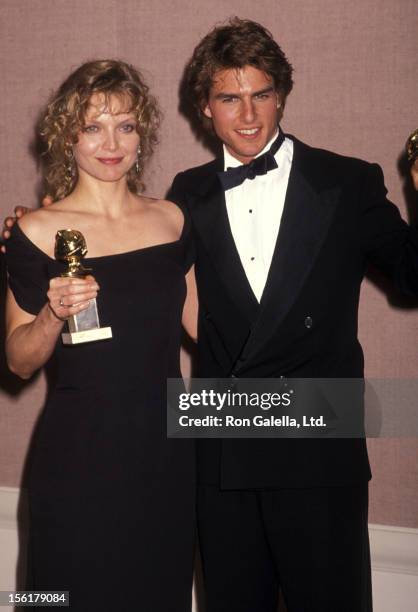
[107, 146]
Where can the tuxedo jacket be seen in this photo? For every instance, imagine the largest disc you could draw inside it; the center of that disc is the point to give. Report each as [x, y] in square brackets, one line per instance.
[336, 219]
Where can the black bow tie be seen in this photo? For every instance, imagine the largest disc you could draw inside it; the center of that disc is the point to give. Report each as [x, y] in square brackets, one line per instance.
[233, 177]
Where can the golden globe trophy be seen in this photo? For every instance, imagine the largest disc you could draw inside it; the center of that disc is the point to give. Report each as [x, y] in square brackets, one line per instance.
[70, 248]
[412, 146]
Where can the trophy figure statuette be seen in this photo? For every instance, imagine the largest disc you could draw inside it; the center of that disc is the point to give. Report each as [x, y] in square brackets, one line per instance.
[70, 248]
[412, 146]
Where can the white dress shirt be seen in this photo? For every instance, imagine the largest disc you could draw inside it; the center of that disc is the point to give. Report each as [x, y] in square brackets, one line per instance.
[255, 210]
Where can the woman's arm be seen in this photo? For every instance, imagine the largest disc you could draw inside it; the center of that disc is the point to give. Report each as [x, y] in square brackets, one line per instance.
[30, 340]
[191, 306]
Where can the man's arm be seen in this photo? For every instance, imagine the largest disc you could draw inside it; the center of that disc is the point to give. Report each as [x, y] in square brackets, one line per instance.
[191, 304]
[387, 240]
[176, 192]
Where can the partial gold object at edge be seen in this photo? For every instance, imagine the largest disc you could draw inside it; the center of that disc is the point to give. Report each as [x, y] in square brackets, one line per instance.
[412, 146]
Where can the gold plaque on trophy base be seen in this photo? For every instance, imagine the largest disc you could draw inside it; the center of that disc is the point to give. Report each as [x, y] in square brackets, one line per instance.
[89, 335]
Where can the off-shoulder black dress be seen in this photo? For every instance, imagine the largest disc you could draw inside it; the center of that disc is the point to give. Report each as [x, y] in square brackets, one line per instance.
[111, 498]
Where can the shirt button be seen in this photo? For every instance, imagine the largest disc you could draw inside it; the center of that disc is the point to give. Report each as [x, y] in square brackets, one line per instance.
[252, 258]
[308, 322]
[251, 210]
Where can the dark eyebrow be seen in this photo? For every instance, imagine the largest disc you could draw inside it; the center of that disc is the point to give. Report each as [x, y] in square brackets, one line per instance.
[264, 91]
[224, 94]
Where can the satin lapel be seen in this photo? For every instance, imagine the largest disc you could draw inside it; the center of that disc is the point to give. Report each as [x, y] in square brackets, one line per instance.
[211, 223]
[305, 222]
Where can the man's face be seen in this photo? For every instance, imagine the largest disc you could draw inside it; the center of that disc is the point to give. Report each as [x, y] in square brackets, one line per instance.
[244, 110]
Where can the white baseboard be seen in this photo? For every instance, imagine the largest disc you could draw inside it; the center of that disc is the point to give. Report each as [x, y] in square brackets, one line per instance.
[9, 544]
[9, 498]
[394, 552]
[394, 549]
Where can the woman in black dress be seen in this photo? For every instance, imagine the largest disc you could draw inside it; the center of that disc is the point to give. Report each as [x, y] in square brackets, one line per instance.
[111, 498]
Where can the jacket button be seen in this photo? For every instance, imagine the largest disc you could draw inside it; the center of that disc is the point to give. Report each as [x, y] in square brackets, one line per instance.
[232, 386]
[207, 316]
[308, 322]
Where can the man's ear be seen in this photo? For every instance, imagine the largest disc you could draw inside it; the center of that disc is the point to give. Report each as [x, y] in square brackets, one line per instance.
[206, 111]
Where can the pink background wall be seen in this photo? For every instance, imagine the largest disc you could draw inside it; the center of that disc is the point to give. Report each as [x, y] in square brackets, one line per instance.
[355, 93]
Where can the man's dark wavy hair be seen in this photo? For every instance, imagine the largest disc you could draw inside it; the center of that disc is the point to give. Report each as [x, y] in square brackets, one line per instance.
[238, 43]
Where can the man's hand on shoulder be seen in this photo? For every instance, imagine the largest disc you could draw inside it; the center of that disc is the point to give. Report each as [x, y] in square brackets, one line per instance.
[19, 212]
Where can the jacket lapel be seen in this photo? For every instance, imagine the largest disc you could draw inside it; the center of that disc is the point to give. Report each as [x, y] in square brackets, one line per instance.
[307, 215]
[211, 222]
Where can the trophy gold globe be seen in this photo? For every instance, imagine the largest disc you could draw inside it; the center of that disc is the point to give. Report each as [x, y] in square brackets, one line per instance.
[70, 248]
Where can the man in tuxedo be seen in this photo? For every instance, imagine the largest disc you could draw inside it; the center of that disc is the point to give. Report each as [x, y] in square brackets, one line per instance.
[283, 233]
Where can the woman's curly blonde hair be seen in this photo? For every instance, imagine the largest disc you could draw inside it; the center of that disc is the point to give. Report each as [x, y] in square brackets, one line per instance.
[65, 117]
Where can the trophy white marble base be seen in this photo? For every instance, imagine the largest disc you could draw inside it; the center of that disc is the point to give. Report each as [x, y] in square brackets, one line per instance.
[88, 335]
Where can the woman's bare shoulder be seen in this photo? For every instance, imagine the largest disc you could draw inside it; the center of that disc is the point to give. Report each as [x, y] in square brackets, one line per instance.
[38, 223]
[169, 212]
[32, 222]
